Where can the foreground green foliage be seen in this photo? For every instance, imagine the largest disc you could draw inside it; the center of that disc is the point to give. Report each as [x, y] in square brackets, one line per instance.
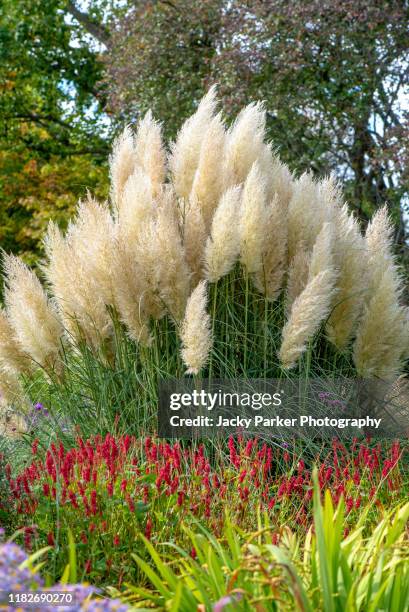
[327, 571]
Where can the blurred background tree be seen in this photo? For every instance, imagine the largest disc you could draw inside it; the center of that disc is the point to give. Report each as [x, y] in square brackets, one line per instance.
[333, 75]
[52, 140]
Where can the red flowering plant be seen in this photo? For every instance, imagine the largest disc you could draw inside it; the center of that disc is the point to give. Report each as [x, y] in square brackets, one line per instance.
[109, 490]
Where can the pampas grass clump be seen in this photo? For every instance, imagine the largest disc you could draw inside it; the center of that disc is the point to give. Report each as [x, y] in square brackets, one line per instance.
[291, 282]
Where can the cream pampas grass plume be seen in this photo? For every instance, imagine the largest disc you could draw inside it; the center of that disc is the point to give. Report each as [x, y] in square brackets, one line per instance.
[81, 264]
[130, 293]
[382, 336]
[350, 257]
[269, 280]
[194, 237]
[121, 163]
[223, 245]
[322, 253]
[150, 154]
[186, 150]
[379, 242]
[311, 205]
[308, 312]
[244, 143]
[209, 177]
[162, 257]
[135, 217]
[300, 212]
[279, 181]
[297, 277]
[254, 218]
[33, 318]
[196, 331]
[137, 206]
[59, 273]
[13, 360]
[172, 272]
[313, 304]
[93, 241]
[77, 295]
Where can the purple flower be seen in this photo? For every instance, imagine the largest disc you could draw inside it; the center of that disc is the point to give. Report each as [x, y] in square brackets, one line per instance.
[12, 554]
[12, 578]
[285, 444]
[38, 406]
[15, 578]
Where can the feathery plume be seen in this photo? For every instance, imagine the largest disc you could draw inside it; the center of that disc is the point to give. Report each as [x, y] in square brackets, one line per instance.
[297, 277]
[308, 311]
[93, 240]
[223, 245]
[322, 253]
[172, 271]
[278, 177]
[60, 272]
[137, 206]
[185, 152]
[312, 204]
[244, 143]
[350, 257]
[254, 218]
[150, 154]
[208, 181]
[194, 238]
[13, 360]
[133, 298]
[382, 335]
[300, 211]
[196, 331]
[162, 258]
[130, 292]
[33, 318]
[121, 163]
[379, 241]
[80, 305]
[269, 279]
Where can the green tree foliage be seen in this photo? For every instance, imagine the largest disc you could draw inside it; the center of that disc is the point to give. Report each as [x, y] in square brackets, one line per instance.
[332, 75]
[51, 146]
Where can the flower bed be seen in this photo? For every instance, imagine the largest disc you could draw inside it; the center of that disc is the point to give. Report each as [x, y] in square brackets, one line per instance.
[110, 490]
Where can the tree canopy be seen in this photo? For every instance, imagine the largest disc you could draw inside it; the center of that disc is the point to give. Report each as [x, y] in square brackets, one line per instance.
[333, 76]
[51, 146]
